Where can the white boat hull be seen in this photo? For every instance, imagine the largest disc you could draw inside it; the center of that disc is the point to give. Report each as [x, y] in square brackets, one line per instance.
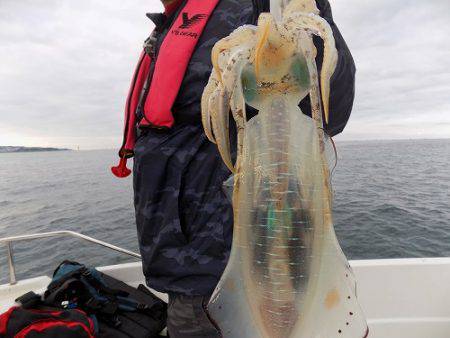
[402, 298]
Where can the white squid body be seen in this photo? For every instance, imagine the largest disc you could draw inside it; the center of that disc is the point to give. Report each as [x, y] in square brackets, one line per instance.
[287, 276]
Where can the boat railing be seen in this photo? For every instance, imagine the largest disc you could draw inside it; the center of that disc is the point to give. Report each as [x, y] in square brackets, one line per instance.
[8, 241]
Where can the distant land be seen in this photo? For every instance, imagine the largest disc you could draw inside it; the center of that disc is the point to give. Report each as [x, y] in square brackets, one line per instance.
[13, 149]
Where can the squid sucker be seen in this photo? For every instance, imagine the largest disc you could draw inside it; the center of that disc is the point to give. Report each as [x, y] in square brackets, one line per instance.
[287, 275]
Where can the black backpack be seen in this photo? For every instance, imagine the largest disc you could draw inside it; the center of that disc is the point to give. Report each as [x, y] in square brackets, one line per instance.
[114, 308]
[119, 310]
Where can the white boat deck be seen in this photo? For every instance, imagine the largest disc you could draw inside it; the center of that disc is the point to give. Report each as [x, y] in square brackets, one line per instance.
[402, 298]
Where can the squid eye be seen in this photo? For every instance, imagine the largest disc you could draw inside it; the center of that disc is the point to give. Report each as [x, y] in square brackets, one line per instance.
[300, 72]
[249, 84]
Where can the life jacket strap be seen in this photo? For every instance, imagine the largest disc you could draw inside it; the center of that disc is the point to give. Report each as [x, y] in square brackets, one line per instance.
[129, 138]
[173, 59]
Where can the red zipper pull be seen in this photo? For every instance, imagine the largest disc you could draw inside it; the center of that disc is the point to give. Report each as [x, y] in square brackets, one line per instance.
[121, 171]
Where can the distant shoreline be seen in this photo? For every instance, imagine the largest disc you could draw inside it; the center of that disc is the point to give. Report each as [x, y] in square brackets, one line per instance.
[339, 140]
[14, 149]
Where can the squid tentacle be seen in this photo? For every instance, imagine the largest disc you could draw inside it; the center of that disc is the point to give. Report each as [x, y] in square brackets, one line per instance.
[213, 82]
[233, 84]
[316, 25]
[221, 127]
[229, 50]
[238, 38]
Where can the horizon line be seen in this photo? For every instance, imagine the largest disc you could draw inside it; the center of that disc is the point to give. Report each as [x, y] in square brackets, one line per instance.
[334, 138]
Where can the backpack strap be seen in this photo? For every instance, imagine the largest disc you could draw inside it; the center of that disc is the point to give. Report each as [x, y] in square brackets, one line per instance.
[94, 279]
[29, 300]
[58, 294]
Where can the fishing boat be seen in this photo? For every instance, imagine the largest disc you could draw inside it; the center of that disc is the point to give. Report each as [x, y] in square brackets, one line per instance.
[402, 298]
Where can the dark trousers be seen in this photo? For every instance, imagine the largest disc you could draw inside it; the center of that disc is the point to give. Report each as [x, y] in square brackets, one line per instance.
[187, 317]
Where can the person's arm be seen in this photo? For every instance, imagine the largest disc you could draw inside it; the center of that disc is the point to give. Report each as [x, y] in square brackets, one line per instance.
[342, 82]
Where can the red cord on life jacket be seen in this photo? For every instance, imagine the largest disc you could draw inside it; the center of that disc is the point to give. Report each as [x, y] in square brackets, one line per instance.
[170, 67]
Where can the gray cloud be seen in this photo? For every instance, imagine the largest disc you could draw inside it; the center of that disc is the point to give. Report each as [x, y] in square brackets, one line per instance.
[402, 51]
[66, 66]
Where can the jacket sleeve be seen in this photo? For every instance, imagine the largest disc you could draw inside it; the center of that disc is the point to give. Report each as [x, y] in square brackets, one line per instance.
[342, 82]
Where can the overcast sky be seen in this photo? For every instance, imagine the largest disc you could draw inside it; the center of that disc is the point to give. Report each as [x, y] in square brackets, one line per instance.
[65, 68]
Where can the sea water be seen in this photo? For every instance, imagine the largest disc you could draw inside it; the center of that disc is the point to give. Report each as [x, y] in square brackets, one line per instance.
[392, 200]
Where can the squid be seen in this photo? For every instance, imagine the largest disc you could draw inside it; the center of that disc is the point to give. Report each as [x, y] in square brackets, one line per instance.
[287, 275]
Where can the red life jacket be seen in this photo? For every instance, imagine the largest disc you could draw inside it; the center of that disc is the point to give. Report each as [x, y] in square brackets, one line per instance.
[169, 69]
